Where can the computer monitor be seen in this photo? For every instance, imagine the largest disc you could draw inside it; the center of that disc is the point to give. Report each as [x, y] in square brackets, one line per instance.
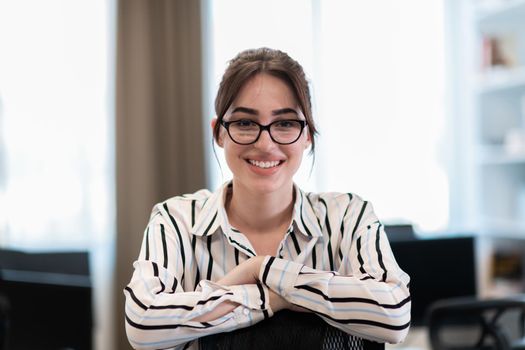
[439, 268]
[47, 298]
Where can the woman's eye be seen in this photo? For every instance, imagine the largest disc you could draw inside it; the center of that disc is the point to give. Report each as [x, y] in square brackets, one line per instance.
[285, 124]
[244, 123]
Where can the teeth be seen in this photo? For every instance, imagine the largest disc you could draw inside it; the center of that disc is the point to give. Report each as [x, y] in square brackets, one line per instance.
[264, 165]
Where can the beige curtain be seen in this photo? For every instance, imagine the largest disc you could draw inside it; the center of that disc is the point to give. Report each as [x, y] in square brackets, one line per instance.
[159, 122]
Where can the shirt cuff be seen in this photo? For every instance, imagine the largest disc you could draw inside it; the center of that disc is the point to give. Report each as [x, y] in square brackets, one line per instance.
[279, 275]
[245, 317]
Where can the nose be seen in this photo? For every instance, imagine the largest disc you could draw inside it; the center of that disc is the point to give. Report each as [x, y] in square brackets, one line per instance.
[265, 142]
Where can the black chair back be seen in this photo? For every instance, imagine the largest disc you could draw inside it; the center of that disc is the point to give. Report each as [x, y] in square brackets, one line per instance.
[288, 330]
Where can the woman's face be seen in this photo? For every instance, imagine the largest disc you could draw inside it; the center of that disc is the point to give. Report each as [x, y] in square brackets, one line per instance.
[264, 166]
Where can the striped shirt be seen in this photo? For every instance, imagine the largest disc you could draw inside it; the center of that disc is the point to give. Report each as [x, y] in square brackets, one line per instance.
[334, 260]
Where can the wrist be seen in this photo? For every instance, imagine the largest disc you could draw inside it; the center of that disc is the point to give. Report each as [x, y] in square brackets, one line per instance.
[277, 302]
[256, 267]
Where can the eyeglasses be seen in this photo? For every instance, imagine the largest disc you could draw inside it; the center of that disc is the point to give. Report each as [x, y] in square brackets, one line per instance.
[246, 132]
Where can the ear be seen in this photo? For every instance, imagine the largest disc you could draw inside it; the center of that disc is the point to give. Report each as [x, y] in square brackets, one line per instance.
[308, 142]
[219, 140]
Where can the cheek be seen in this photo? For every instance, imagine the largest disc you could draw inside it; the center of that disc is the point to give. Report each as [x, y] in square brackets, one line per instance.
[303, 144]
[296, 153]
[232, 151]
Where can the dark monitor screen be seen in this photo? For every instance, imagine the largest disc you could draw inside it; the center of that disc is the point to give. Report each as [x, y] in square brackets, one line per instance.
[45, 301]
[438, 269]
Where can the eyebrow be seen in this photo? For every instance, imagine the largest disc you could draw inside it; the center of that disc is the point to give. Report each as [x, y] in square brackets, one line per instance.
[255, 112]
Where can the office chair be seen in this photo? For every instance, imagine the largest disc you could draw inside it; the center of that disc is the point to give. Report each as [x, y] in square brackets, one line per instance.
[288, 330]
[470, 323]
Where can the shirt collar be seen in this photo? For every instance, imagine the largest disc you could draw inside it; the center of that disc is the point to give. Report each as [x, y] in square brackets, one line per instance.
[305, 216]
[213, 214]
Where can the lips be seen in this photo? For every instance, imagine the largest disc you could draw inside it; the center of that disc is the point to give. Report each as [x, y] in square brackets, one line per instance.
[265, 164]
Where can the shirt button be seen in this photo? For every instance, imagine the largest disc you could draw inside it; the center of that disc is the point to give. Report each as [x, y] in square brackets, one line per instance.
[246, 311]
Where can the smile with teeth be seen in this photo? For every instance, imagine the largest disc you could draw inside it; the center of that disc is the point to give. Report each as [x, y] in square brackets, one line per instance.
[264, 165]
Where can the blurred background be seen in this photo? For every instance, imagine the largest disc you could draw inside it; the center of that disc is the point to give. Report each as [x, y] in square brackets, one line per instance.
[105, 110]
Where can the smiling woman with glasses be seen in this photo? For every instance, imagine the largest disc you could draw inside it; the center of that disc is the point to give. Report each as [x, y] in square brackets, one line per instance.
[259, 263]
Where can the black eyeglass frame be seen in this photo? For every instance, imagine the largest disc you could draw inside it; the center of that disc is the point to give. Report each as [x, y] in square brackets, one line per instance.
[226, 125]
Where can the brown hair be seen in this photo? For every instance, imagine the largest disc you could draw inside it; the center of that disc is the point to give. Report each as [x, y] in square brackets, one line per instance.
[250, 62]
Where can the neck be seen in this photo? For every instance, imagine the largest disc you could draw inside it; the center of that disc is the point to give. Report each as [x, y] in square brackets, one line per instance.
[257, 212]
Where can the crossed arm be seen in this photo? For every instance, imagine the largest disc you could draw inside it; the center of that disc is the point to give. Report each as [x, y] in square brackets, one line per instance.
[245, 273]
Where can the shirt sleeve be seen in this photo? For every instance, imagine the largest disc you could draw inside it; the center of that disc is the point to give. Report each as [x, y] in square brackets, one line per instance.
[159, 312]
[368, 296]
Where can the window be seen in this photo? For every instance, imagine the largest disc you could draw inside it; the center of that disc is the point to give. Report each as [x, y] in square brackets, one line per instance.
[56, 124]
[56, 127]
[377, 72]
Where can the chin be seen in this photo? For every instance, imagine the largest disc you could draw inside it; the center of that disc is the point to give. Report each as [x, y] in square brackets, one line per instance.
[267, 186]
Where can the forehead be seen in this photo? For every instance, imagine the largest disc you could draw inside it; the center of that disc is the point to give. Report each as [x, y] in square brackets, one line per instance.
[264, 91]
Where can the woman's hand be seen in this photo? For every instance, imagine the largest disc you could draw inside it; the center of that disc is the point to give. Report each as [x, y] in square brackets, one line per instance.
[246, 272]
[277, 302]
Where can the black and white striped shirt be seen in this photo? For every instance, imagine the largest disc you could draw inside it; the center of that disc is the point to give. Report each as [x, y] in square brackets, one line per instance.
[334, 260]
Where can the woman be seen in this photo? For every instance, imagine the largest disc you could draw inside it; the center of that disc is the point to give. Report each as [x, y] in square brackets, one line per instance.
[217, 262]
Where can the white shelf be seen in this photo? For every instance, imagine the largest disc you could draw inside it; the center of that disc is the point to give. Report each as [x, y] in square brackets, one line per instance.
[494, 103]
[501, 80]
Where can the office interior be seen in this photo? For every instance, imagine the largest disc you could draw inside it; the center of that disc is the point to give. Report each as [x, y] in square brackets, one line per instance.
[105, 110]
